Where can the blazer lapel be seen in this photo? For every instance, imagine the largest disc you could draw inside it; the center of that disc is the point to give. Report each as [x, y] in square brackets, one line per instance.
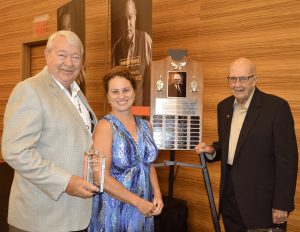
[67, 103]
[252, 114]
[91, 112]
[227, 118]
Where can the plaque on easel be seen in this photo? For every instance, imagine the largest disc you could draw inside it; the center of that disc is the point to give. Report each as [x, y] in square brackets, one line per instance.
[176, 103]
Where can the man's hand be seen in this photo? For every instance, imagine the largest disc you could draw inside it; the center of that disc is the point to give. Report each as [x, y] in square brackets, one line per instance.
[203, 147]
[80, 188]
[279, 216]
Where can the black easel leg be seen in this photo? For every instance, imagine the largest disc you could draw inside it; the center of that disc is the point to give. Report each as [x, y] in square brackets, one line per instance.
[171, 176]
[210, 193]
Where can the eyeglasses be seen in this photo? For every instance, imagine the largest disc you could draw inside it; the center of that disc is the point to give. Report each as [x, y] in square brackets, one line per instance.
[241, 79]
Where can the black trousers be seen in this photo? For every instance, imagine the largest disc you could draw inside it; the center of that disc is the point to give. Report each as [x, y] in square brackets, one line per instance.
[231, 216]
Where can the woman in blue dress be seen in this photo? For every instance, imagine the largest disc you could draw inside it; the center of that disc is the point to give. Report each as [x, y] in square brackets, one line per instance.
[131, 191]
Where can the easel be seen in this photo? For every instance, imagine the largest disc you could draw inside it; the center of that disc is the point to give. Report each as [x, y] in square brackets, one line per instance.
[203, 166]
[160, 67]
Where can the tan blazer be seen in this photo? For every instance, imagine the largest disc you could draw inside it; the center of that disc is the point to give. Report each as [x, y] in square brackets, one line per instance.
[44, 139]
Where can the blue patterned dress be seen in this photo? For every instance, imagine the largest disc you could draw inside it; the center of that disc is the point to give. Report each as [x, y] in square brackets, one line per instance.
[131, 167]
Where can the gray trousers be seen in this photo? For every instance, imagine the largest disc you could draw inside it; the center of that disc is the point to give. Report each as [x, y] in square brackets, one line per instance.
[14, 229]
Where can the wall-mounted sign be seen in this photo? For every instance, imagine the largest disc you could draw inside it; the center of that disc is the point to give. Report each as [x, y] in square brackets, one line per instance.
[40, 25]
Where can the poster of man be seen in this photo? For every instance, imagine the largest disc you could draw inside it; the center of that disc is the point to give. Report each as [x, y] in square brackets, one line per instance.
[131, 29]
[177, 84]
[64, 18]
[71, 17]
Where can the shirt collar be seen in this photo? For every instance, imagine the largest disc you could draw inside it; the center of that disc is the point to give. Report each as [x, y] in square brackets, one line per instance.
[74, 86]
[246, 105]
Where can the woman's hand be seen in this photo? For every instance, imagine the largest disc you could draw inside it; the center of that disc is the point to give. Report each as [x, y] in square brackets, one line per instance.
[158, 203]
[145, 207]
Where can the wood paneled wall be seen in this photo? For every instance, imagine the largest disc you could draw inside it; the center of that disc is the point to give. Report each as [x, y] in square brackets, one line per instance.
[214, 32]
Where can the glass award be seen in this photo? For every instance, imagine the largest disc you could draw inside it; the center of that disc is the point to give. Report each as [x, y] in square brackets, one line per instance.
[94, 167]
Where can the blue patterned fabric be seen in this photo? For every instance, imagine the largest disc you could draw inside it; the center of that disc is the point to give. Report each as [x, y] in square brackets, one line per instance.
[131, 167]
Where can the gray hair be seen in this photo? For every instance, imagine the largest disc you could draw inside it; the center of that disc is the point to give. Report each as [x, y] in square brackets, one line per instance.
[129, 3]
[71, 37]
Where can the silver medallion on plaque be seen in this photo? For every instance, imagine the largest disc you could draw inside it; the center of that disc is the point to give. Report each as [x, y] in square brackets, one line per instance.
[194, 85]
[160, 84]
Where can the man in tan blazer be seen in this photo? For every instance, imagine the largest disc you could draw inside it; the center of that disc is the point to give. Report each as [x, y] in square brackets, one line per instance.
[48, 126]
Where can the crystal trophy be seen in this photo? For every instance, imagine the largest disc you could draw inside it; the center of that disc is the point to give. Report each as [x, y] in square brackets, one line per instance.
[94, 167]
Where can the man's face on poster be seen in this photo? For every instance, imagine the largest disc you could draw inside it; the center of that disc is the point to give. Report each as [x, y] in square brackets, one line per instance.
[129, 20]
[177, 79]
[66, 22]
